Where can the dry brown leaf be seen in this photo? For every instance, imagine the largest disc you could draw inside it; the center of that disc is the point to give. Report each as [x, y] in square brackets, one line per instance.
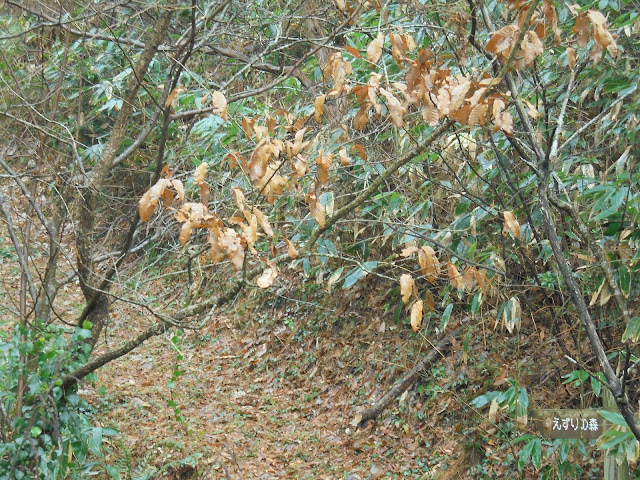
[530, 48]
[503, 120]
[231, 243]
[511, 225]
[344, 158]
[430, 113]
[601, 36]
[396, 109]
[503, 40]
[408, 251]
[264, 222]
[179, 187]
[185, 233]
[319, 107]
[428, 261]
[454, 276]
[148, 202]
[478, 115]
[268, 276]
[167, 198]
[353, 51]
[316, 209]
[291, 249]
[552, 19]
[200, 173]
[219, 104]
[429, 301]
[469, 277]
[362, 153]
[483, 281]
[582, 29]
[416, 315]
[172, 98]
[238, 197]
[374, 50]
[323, 162]
[407, 285]
[571, 57]
[362, 117]
[459, 93]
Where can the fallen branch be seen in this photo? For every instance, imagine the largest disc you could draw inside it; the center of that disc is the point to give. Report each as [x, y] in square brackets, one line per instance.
[439, 350]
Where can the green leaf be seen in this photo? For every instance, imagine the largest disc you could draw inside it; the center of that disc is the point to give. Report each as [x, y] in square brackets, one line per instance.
[632, 332]
[532, 450]
[483, 400]
[613, 417]
[445, 317]
[615, 438]
[597, 382]
[353, 276]
[625, 280]
[95, 441]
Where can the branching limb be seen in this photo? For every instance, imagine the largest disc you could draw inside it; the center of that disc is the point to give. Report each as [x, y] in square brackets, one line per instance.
[438, 351]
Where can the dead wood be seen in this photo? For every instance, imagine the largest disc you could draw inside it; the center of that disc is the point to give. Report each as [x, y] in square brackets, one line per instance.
[438, 351]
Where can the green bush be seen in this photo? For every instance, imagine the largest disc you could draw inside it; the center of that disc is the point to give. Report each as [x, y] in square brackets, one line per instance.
[50, 434]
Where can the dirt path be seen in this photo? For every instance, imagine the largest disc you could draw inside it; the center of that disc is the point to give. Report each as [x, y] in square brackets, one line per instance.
[256, 406]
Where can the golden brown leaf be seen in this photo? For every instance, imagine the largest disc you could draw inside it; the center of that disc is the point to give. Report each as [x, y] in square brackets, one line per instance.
[530, 48]
[185, 232]
[478, 114]
[454, 276]
[362, 117]
[571, 57]
[200, 173]
[362, 153]
[552, 19]
[219, 104]
[429, 301]
[344, 158]
[291, 249]
[204, 193]
[511, 225]
[406, 287]
[319, 107]
[268, 276]
[374, 50]
[264, 222]
[217, 252]
[503, 40]
[323, 162]
[396, 109]
[167, 198]
[416, 315]
[148, 202]
[428, 261]
[353, 51]
[231, 243]
[173, 97]
[238, 198]
[601, 36]
[408, 251]
[179, 187]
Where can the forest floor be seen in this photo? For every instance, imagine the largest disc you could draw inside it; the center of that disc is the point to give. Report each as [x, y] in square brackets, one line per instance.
[273, 395]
